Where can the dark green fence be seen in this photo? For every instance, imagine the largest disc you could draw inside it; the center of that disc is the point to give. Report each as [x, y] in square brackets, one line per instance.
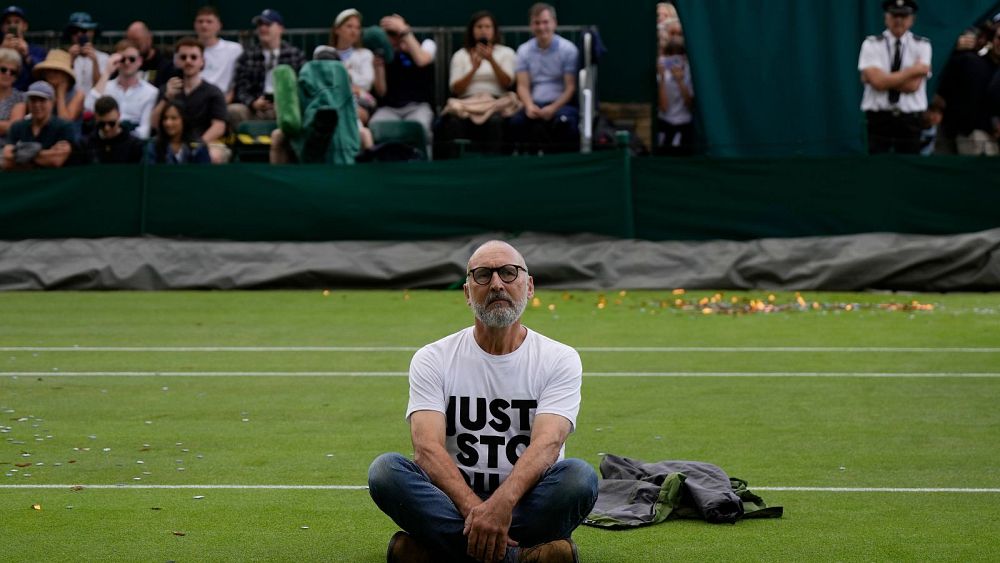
[606, 193]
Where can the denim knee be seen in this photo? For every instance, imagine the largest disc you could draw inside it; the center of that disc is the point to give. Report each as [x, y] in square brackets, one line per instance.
[577, 478]
[381, 470]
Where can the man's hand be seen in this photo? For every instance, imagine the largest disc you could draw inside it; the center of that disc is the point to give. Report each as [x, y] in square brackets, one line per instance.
[89, 52]
[174, 87]
[17, 43]
[678, 72]
[74, 50]
[548, 112]
[114, 60]
[261, 104]
[486, 528]
[395, 23]
[532, 111]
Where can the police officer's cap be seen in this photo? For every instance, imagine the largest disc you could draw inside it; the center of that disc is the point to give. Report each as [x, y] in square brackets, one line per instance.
[900, 7]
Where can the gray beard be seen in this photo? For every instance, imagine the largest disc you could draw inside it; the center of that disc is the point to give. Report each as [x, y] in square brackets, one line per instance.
[500, 316]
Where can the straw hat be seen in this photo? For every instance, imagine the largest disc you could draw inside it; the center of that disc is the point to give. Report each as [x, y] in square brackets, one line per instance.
[56, 59]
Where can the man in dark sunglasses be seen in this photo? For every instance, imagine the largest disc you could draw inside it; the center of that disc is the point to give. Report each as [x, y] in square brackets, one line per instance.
[136, 97]
[490, 409]
[110, 143]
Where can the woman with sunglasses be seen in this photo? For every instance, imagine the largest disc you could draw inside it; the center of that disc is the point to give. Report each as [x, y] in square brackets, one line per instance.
[12, 100]
[175, 143]
[136, 98]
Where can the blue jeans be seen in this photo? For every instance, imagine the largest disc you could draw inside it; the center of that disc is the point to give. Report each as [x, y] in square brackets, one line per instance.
[557, 504]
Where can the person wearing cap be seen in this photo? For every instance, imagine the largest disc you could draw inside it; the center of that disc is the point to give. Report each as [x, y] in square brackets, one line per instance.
[220, 55]
[254, 95]
[57, 71]
[135, 98]
[13, 26]
[88, 62]
[12, 100]
[157, 66]
[546, 84]
[44, 141]
[894, 68]
[345, 38]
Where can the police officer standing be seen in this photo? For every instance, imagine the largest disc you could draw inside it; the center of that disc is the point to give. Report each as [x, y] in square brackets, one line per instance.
[894, 68]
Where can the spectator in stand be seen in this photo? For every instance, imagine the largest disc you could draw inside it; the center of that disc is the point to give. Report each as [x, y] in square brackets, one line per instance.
[546, 85]
[175, 142]
[345, 38]
[203, 105]
[894, 68]
[967, 127]
[254, 96]
[481, 75]
[157, 66]
[405, 85]
[44, 141]
[110, 143]
[56, 70]
[12, 100]
[13, 26]
[135, 97]
[932, 120]
[220, 55]
[675, 102]
[668, 25]
[88, 62]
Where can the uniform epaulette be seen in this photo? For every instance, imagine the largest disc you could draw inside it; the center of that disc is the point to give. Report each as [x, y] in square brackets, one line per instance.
[921, 38]
[877, 37]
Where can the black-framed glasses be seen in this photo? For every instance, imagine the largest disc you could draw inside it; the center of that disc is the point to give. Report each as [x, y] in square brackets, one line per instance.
[507, 272]
[8, 70]
[106, 124]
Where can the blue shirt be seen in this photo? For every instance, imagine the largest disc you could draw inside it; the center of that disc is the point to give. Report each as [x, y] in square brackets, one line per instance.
[547, 67]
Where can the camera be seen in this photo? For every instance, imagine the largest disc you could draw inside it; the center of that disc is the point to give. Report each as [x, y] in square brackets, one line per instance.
[483, 41]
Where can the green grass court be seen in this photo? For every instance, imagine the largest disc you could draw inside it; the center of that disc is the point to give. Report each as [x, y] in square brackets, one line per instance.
[125, 389]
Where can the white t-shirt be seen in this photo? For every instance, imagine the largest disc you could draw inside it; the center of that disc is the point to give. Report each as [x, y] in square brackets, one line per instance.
[490, 402]
[878, 51]
[485, 79]
[83, 68]
[360, 65]
[220, 64]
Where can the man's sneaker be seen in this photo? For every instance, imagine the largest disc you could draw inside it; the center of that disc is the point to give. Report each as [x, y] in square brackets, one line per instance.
[559, 551]
[404, 549]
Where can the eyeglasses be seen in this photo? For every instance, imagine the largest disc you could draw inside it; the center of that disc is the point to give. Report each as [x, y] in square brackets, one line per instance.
[188, 57]
[483, 275]
[106, 124]
[8, 70]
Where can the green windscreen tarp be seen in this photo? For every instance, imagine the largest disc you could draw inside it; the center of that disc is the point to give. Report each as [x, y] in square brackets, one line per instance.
[779, 77]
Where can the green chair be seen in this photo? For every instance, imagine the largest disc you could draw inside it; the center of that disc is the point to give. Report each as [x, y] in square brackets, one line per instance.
[410, 133]
[252, 142]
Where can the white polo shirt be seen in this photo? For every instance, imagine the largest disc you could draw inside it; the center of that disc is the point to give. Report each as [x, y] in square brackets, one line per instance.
[878, 51]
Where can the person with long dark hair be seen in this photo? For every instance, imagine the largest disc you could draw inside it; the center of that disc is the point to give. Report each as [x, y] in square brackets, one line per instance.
[481, 76]
[175, 144]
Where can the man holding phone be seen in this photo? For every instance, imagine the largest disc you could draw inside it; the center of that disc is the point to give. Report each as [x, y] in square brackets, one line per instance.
[88, 62]
[253, 97]
[14, 24]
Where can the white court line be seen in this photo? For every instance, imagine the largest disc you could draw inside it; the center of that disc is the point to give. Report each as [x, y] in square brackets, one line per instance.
[362, 487]
[597, 349]
[859, 374]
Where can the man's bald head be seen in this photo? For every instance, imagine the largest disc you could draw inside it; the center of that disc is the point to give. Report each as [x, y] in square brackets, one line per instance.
[496, 249]
[138, 33]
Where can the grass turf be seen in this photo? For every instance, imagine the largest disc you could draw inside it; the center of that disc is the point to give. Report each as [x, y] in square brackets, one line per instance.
[772, 431]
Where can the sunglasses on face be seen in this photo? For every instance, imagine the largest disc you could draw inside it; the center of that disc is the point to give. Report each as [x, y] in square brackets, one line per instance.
[188, 57]
[129, 60]
[106, 124]
[483, 275]
[8, 70]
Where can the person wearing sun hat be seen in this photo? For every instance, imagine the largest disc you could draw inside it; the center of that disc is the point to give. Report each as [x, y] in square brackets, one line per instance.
[44, 141]
[13, 26]
[88, 62]
[57, 71]
[894, 67]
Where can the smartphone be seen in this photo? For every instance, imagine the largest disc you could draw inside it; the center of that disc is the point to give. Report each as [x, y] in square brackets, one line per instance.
[483, 41]
[83, 39]
[269, 97]
[13, 30]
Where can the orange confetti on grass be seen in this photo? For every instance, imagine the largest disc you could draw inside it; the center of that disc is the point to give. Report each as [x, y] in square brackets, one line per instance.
[678, 292]
[36, 506]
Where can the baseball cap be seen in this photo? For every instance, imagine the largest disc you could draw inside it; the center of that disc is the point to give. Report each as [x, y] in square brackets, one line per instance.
[81, 20]
[268, 16]
[900, 7]
[41, 89]
[14, 11]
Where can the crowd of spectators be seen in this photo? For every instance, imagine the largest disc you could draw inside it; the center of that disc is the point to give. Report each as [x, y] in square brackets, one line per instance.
[188, 102]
